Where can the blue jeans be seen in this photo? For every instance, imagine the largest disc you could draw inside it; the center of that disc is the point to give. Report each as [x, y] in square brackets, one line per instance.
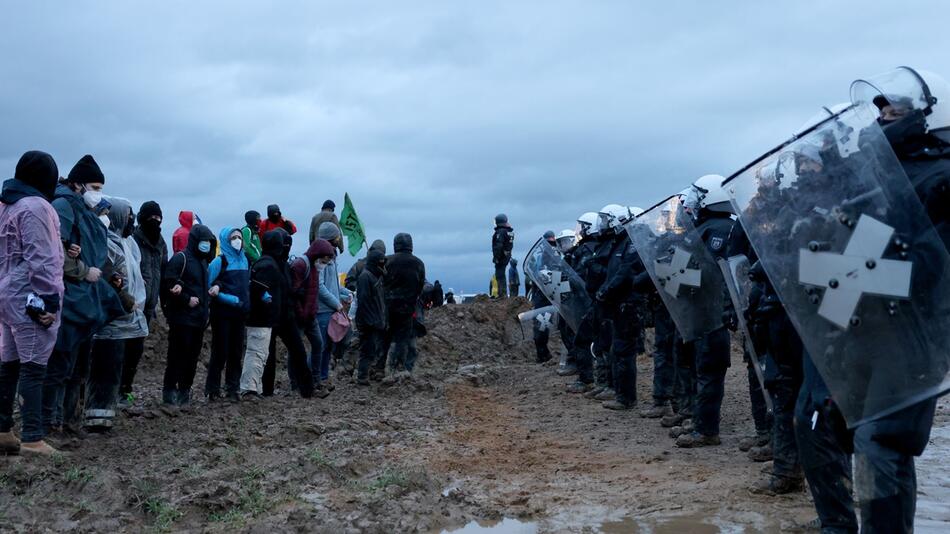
[315, 337]
[326, 353]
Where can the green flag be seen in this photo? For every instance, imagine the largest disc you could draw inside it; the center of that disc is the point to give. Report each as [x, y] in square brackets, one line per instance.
[352, 227]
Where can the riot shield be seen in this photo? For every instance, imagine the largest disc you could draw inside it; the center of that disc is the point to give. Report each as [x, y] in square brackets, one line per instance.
[735, 272]
[545, 318]
[682, 268]
[856, 262]
[563, 288]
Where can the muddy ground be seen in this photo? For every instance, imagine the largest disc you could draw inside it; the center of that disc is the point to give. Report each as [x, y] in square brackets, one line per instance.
[479, 433]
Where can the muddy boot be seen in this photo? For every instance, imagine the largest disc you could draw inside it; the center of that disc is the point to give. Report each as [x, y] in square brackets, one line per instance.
[619, 406]
[567, 370]
[608, 394]
[594, 391]
[777, 486]
[579, 387]
[74, 431]
[757, 440]
[695, 439]
[362, 382]
[672, 420]
[233, 397]
[328, 385]
[184, 401]
[657, 411]
[321, 392]
[761, 454]
[250, 396]
[9, 444]
[682, 429]
[37, 448]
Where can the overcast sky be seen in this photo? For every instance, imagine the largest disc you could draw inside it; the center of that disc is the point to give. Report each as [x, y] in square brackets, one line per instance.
[434, 116]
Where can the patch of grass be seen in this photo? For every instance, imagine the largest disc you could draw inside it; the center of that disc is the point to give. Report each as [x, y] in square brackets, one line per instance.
[164, 514]
[130, 398]
[77, 474]
[193, 470]
[252, 500]
[316, 457]
[232, 516]
[389, 477]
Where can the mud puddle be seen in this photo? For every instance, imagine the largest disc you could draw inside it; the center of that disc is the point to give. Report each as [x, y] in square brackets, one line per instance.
[933, 481]
[675, 524]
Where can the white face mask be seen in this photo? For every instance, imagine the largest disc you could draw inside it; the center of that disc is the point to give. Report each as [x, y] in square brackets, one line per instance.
[104, 219]
[92, 198]
[204, 246]
[237, 244]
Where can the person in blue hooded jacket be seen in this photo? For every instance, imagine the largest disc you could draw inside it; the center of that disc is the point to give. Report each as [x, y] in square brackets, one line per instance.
[230, 278]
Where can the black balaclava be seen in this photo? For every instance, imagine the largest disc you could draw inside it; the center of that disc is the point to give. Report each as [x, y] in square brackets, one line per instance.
[38, 170]
[272, 244]
[253, 219]
[273, 212]
[151, 227]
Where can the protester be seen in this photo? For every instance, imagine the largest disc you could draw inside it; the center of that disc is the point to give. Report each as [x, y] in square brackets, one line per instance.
[186, 219]
[185, 303]
[286, 329]
[89, 301]
[438, 297]
[123, 270]
[251, 236]
[31, 292]
[333, 298]
[154, 252]
[266, 298]
[326, 215]
[274, 221]
[371, 314]
[307, 274]
[354, 273]
[514, 279]
[404, 278]
[229, 277]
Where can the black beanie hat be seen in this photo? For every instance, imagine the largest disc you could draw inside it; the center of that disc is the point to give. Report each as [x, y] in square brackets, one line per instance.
[328, 205]
[252, 217]
[149, 209]
[39, 170]
[86, 171]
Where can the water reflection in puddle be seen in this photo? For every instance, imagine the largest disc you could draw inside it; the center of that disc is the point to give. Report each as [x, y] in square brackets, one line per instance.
[660, 525]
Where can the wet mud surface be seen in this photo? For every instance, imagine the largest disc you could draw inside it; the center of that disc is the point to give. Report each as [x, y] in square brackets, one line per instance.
[479, 439]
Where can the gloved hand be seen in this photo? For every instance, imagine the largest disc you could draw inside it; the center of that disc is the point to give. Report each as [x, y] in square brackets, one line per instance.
[730, 320]
[266, 297]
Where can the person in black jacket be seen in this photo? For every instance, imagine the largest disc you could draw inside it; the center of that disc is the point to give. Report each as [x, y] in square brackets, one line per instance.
[404, 279]
[371, 314]
[148, 236]
[438, 296]
[502, 241]
[266, 301]
[186, 304]
[286, 329]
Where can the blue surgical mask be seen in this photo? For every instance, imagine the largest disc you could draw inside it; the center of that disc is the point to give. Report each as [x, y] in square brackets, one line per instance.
[204, 246]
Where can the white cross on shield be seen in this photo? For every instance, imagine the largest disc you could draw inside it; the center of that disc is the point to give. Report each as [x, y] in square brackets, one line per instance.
[859, 270]
[675, 273]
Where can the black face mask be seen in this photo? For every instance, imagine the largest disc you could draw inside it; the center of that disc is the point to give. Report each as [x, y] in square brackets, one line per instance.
[906, 132]
[152, 229]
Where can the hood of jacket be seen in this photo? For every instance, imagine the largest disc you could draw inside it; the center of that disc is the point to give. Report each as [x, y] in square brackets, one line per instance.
[197, 234]
[186, 219]
[252, 218]
[319, 247]
[273, 212]
[234, 257]
[402, 243]
[119, 214]
[14, 190]
[379, 245]
[273, 243]
[375, 262]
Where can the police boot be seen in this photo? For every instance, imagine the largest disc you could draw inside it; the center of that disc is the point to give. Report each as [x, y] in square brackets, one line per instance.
[695, 439]
[657, 411]
[608, 394]
[580, 387]
[777, 486]
[758, 440]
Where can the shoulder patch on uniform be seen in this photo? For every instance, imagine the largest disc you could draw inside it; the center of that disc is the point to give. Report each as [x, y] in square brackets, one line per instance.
[716, 243]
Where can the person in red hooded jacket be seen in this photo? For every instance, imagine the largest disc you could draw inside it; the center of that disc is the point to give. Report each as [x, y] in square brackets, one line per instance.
[180, 237]
[276, 220]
